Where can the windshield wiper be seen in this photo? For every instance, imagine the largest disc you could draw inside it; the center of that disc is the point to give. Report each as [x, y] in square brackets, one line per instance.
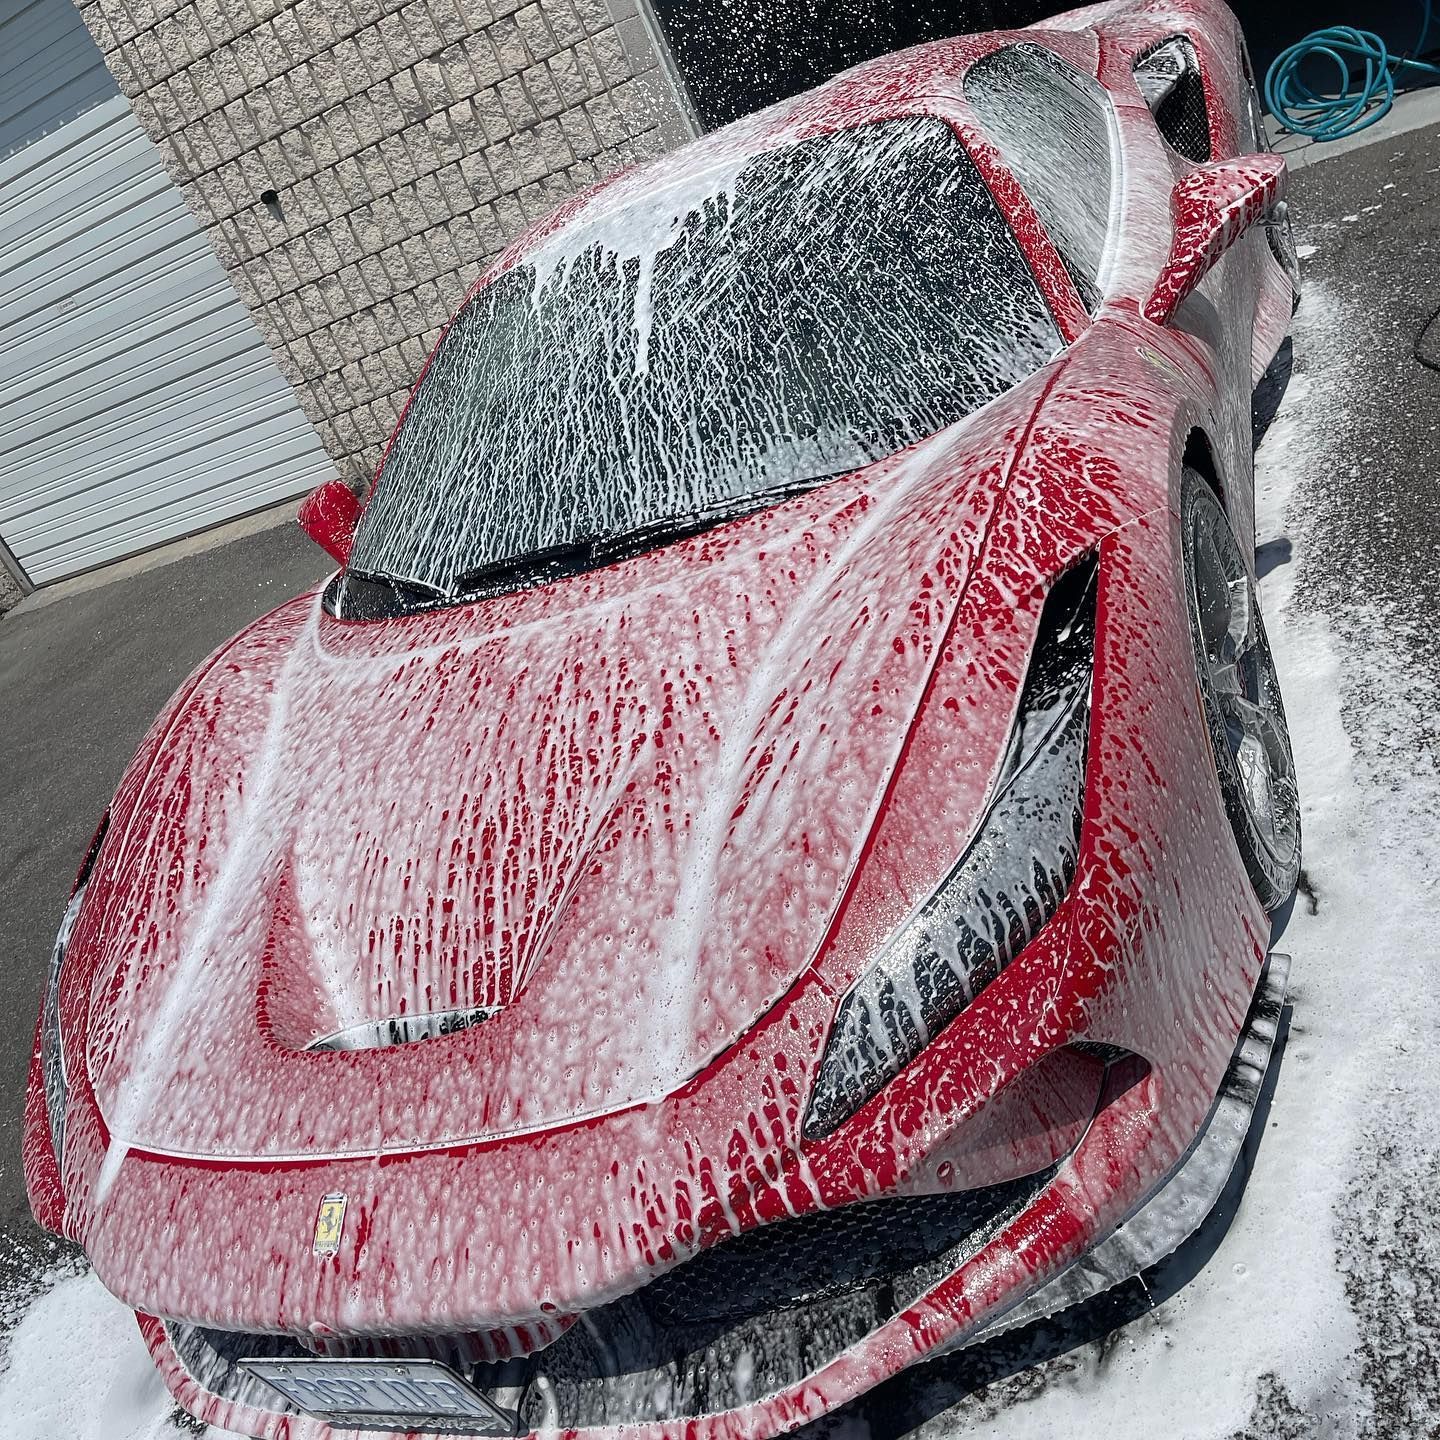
[412, 592]
[563, 556]
[593, 551]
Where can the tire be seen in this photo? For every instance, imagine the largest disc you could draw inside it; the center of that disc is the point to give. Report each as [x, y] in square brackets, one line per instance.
[1240, 697]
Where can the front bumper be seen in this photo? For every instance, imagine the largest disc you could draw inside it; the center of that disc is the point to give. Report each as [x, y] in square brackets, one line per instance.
[750, 1375]
[763, 1333]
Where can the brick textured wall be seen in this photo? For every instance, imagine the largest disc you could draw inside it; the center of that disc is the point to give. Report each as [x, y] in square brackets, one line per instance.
[10, 592]
[406, 144]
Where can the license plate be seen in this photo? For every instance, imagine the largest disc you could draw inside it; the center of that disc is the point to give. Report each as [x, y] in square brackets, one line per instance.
[385, 1395]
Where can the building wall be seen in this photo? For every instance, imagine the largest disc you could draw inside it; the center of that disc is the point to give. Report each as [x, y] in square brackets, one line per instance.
[10, 592]
[737, 55]
[405, 144]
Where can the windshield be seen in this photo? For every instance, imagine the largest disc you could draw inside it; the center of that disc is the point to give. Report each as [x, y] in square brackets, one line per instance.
[722, 340]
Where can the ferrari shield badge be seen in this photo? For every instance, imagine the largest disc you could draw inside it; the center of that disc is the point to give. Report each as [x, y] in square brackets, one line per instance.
[329, 1222]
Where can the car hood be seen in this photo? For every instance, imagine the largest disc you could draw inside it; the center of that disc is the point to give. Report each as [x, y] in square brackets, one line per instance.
[616, 815]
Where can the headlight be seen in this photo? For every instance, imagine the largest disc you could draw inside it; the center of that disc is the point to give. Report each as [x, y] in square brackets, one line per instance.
[52, 1052]
[1005, 886]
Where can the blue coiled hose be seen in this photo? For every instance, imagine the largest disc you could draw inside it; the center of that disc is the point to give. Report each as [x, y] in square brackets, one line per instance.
[1357, 104]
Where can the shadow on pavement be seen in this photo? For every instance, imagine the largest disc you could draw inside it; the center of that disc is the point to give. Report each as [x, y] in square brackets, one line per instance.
[1270, 392]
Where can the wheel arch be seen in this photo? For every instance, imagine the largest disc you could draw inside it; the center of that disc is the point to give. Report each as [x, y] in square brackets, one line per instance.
[1199, 456]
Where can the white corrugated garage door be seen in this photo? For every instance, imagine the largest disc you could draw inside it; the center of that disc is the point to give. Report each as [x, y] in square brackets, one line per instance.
[138, 402]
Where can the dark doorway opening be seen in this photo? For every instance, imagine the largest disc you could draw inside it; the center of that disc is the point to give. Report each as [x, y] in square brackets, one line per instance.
[741, 55]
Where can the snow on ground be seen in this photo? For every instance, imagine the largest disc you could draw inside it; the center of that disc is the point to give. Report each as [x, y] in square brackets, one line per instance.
[1318, 1314]
[77, 1369]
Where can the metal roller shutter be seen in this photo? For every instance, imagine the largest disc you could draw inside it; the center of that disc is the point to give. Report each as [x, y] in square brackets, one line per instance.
[138, 402]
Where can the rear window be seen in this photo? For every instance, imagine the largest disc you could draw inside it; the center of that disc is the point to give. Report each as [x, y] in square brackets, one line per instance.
[827, 305]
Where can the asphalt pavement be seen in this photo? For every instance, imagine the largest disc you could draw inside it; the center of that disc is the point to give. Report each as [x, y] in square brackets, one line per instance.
[1373, 219]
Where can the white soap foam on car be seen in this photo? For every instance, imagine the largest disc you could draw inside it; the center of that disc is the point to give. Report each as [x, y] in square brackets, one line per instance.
[1267, 1321]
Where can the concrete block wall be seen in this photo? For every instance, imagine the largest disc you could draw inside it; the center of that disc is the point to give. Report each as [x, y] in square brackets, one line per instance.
[10, 592]
[405, 143]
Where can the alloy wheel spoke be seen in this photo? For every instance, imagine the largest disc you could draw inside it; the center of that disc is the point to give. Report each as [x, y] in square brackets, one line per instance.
[1237, 664]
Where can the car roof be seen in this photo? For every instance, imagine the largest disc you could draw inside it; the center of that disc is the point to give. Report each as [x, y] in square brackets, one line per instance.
[926, 80]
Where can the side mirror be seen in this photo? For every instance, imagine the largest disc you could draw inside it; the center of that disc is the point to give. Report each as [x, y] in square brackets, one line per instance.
[1212, 207]
[328, 516]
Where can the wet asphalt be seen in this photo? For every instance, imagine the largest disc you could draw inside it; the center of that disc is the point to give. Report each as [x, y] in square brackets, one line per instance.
[1373, 547]
[81, 678]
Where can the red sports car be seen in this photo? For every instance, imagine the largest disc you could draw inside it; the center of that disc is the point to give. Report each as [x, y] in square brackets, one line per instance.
[754, 871]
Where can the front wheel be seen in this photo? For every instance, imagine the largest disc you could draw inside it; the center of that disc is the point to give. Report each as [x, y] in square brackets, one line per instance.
[1240, 695]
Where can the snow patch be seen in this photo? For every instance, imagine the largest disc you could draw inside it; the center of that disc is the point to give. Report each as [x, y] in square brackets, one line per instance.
[78, 1370]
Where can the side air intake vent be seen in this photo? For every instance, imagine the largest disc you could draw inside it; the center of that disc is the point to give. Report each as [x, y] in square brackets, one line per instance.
[1007, 884]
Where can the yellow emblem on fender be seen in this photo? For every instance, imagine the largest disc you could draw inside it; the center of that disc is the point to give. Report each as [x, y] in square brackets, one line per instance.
[329, 1222]
[1160, 362]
